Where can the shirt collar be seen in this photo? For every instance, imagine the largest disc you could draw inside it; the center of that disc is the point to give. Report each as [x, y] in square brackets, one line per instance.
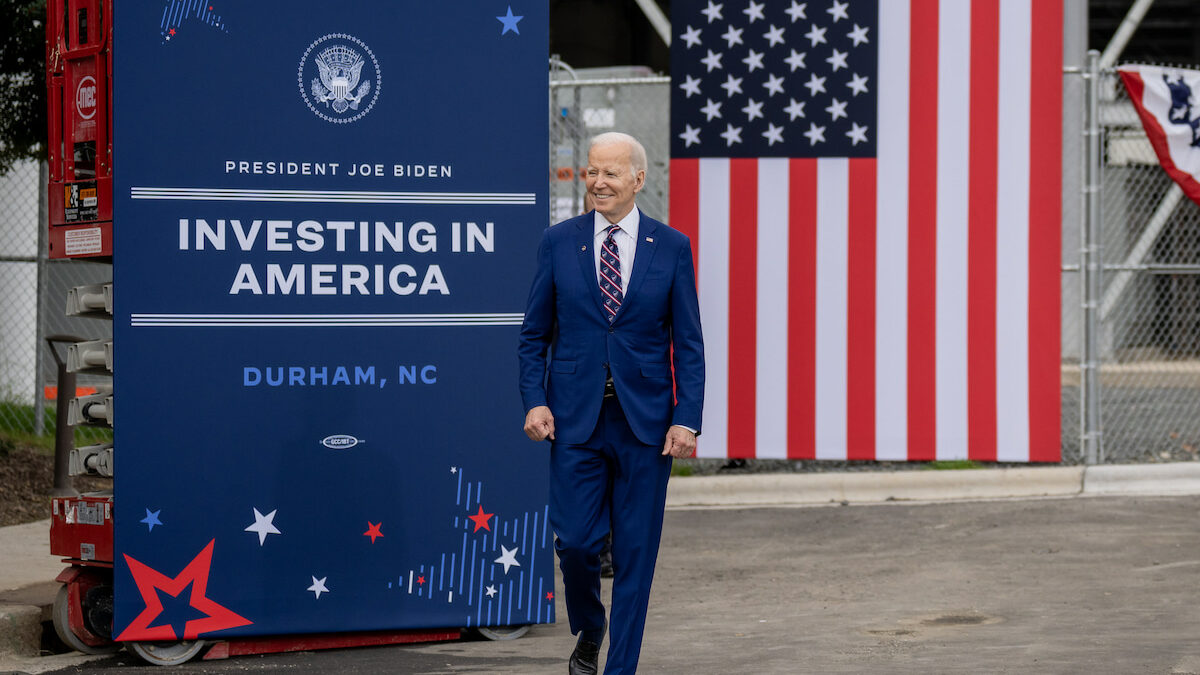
[629, 224]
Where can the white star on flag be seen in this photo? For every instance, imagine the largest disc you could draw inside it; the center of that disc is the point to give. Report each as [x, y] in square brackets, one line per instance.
[713, 109]
[796, 60]
[508, 558]
[733, 85]
[690, 135]
[774, 36]
[857, 133]
[318, 587]
[754, 11]
[691, 36]
[837, 61]
[490, 591]
[731, 134]
[774, 84]
[263, 526]
[815, 134]
[753, 60]
[836, 110]
[712, 61]
[713, 11]
[859, 35]
[733, 36]
[753, 109]
[857, 84]
[838, 11]
[796, 11]
[691, 85]
[795, 109]
[815, 35]
[773, 134]
[815, 84]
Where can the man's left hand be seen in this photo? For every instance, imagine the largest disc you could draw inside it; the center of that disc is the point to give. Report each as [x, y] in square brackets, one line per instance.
[680, 444]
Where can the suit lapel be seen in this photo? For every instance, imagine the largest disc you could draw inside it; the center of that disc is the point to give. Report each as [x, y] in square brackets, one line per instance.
[584, 240]
[646, 246]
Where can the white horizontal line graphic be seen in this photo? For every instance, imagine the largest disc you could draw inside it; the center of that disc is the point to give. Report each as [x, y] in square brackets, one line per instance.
[326, 320]
[332, 196]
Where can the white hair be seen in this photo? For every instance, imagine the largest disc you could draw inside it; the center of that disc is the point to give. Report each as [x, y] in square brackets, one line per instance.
[637, 153]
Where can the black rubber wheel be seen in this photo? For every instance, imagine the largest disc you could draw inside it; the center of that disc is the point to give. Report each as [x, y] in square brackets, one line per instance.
[62, 626]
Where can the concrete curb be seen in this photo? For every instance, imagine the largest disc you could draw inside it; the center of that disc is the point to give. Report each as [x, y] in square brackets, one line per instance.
[822, 488]
[1179, 478]
[20, 630]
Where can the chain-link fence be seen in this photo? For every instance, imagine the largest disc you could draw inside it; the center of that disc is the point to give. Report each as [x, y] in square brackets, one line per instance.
[1148, 314]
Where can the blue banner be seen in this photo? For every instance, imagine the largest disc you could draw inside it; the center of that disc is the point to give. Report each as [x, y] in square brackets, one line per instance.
[325, 220]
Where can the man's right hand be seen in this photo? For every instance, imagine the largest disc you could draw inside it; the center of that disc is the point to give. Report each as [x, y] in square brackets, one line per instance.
[539, 423]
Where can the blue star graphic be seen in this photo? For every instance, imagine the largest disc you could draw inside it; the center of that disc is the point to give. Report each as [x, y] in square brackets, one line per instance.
[177, 610]
[510, 22]
[151, 519]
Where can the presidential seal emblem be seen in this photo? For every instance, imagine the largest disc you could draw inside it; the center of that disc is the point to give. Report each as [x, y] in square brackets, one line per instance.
[339, 78]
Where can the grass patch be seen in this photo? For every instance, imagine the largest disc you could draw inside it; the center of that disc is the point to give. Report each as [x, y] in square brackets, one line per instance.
[953, 465]
[17, 428]
[680, 469]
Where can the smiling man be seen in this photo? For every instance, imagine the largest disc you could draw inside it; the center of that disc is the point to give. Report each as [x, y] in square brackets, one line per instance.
[614, 301]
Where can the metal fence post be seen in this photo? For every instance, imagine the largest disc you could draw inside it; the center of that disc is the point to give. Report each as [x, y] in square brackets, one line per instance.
[1090, 264]
[39, 377]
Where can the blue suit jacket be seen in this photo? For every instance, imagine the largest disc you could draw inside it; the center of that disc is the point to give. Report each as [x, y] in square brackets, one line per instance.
[658, 321]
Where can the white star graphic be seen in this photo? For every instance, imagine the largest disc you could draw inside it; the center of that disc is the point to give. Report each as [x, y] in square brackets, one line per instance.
[815, 84]
[732, 85]
[857, 84]
[263, 526]
[773, 134]
[318, 587]
[690, 136]
[774, 84]
[838, 60]
[454, 469]
[733, 36]
[490, 591]
[713, 11]
[796, 11]
[857, 133]
[754, 11]
[754, 60]
[815, 35]
[815, 134]
[838, 11]
[731, 135]
[796, 60]
[753, 109]
[712, 61]
[774, 36]
[713, 109]
[836, 110]
[691, 36]
[508, 558]
[691, 86]
[795, 109]
[859, 35]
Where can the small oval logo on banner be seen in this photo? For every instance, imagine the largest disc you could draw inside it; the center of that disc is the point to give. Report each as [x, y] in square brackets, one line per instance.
[340, 442]
[339, 78]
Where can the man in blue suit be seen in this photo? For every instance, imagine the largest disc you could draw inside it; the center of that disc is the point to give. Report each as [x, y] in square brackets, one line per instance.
[612, 373]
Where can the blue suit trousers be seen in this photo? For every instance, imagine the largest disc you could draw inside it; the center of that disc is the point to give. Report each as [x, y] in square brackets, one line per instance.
[615, 481]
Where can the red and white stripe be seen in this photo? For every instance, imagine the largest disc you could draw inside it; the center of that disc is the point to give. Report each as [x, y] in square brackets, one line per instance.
[904, 307]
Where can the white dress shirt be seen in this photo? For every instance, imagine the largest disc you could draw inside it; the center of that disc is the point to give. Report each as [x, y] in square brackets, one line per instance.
[626, 240]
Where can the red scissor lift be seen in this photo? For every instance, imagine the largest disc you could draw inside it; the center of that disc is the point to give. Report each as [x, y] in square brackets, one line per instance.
[79, 82]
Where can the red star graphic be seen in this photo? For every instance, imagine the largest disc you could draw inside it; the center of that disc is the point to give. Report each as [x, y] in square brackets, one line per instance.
[373, 530]
[481, 520]
[550, 595]
[172, 31]
[420, 581]
[196, 573]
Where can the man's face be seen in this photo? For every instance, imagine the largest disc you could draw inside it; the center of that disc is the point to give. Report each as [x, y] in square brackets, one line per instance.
[611, 180]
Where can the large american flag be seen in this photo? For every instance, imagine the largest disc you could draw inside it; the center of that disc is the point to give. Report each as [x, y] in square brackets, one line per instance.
[872, 190]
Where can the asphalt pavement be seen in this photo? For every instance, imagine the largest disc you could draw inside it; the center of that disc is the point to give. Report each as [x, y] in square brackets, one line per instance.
[874, 574]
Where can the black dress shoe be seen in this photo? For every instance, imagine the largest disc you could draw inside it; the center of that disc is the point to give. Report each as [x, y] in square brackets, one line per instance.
[585, 660]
